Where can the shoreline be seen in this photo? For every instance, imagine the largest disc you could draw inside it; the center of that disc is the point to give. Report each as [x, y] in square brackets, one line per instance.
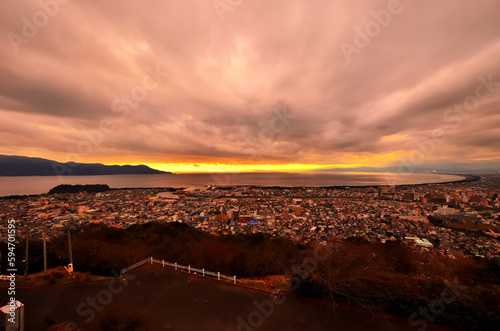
[467, 178]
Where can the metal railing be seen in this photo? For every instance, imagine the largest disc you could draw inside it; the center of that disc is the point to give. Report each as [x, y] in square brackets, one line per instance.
[133, 266]
[176, 266]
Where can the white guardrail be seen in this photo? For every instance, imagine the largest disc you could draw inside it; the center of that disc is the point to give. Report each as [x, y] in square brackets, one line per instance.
[176, 266]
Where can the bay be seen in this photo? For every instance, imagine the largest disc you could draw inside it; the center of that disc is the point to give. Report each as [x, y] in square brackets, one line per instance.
[42, 184]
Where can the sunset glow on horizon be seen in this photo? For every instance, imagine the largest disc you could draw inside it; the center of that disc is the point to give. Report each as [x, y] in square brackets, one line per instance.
[228, 168]
[219, 167]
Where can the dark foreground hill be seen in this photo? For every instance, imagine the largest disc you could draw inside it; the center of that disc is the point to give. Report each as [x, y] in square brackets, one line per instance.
[393, 277]
[154, 299]
[12, 165]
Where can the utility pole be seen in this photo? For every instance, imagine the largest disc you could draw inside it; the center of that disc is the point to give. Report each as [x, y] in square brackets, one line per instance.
[69, 247]
[44, 258]
[70, 253]
[26, 255]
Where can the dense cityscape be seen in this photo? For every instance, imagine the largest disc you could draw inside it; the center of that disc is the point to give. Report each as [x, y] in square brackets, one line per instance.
[451, 218]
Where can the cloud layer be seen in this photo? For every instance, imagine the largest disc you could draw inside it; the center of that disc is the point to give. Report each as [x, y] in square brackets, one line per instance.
[366, 82]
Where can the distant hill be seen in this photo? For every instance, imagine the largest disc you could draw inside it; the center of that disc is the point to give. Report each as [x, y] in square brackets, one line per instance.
[12, 165]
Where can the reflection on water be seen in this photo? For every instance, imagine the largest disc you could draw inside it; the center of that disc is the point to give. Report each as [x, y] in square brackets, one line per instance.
[42, 184]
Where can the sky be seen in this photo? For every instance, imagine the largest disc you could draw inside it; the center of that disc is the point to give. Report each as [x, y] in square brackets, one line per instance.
[240, 85]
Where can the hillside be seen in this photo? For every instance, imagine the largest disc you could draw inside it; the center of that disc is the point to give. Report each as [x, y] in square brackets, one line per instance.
[392, 277]
[12, 165]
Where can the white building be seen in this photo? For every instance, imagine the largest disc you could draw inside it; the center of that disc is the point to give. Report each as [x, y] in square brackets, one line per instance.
[12, 317]
[444, 210]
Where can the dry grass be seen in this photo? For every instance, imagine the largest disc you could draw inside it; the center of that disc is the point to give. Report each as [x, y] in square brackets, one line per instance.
[269, 283]
[56, 276]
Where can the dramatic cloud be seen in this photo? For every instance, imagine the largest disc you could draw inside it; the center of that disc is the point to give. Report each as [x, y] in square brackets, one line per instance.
[241, 82]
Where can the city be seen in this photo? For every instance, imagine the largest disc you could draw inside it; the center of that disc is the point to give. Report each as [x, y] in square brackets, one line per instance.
[451, 218]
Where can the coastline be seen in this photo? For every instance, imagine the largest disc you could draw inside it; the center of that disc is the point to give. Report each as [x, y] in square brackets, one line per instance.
[466, 178]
